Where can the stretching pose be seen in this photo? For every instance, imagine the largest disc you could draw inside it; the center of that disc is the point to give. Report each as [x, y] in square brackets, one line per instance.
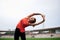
[25, 22]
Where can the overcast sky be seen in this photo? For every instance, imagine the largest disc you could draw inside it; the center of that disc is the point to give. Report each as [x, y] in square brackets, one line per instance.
[11, 11]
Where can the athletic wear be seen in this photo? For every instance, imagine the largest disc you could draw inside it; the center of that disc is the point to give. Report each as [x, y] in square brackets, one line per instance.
[18, 33]
[22, 24]
[20, 29]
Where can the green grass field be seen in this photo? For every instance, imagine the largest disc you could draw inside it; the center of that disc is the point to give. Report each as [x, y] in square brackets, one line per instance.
[32, 39]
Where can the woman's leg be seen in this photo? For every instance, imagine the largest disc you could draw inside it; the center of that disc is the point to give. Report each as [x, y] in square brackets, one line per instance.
[16, 35]
[23, 37]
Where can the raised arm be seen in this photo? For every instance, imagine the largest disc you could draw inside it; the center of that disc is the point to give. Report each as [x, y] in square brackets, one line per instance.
[43, 16]
[33, 14]
[30, 15]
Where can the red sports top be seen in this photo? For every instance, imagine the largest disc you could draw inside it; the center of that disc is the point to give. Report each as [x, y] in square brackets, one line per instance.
[22, 24]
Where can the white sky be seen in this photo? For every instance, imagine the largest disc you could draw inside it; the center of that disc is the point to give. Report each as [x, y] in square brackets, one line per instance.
[11, 11]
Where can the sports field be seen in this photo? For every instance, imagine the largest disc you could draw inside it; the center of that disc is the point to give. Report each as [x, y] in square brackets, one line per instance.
[32, 39]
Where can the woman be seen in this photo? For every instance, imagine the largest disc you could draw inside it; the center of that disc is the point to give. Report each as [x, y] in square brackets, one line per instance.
[27, 21]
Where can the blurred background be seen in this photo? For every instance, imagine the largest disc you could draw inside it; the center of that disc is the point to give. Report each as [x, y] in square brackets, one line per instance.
[12, 11]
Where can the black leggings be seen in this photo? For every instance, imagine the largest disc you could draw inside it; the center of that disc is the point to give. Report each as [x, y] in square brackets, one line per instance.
[18, 33]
